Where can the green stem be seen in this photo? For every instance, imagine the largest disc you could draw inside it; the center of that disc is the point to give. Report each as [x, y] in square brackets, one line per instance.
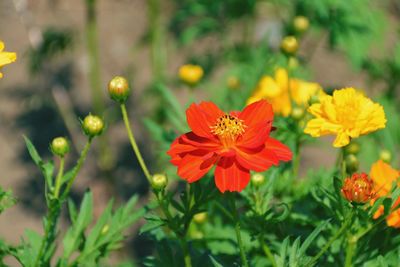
[238, 234]
[59, 177]
[267, 251]
[134, 144]
[296, 160]
[77, 168]
[186, 255]
[351, 247]
[333, 239]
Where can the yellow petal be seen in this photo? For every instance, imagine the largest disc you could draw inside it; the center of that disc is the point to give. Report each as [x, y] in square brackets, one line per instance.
[1, 46]
[268, 88]
[341, 140]
[281, 77]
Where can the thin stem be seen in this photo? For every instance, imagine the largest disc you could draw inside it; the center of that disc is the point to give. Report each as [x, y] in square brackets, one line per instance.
[351, 247]
[238, 234]
[134, 144]
[77, 168]
[296, 160]
[329, 243]
[174, 228]
[59, 177]
[267, 251]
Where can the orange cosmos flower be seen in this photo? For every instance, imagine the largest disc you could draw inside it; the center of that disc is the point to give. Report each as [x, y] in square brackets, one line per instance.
[383, 176]
[358, 188]
[235, 142]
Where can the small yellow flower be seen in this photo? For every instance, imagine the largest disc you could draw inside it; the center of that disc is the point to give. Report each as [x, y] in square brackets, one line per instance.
[347, 114]
[190, 74]
[278, 92]
[6, 57]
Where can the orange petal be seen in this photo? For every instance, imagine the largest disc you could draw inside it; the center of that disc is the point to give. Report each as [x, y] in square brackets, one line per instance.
[229, 176]
[202, 117]
[195, 165]
[256, 113]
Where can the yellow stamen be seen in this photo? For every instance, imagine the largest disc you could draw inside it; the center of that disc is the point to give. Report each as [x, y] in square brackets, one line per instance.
[228, 128]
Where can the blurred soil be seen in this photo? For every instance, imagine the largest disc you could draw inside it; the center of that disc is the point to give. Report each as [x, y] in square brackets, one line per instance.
[27, 109]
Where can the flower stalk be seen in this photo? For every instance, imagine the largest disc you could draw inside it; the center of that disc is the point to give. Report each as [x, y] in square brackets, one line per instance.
[238, 233]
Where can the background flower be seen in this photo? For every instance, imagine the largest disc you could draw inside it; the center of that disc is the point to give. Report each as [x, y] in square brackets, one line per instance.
[347, 114]
[6, 57]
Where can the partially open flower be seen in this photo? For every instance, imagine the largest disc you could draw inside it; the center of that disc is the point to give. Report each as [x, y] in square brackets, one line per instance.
[118, 89]
[191, 74]
[92, 125]
[358, 188]
[59, 146]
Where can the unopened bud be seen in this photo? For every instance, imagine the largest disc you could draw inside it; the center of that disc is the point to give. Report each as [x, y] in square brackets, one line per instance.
[385, 155]
[352, 148]
[200, 218]
[118, 89]
[59, 146]
[233, 83]
[301, 24]
[297, 113]
[257, 179]
[351, 163]
[314, 99]
[92, 125]
[293, 63]
[289, 45]
[358, 188]
[159, 181]
[105, 229]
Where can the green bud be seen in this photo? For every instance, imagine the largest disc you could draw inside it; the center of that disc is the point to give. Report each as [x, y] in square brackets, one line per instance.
[200, 218]
[118, 89]
[351, 163]
[59, 146]
[159, 181]
[289, 45]
[352, 148]
[301, 24]
[314, 99]
[92, 125]
[385, 155]
[257, 179]
[105, 229]
[297, 113]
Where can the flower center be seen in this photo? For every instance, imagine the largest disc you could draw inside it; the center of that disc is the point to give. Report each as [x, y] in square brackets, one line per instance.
[228, 128]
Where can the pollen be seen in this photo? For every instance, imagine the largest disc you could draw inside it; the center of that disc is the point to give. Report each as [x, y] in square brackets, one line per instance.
[228, 127]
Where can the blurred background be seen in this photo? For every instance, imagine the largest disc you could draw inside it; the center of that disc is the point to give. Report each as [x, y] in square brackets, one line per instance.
[69, 50]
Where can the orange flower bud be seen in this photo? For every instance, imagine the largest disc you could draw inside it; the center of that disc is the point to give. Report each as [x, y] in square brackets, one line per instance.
[358, 188]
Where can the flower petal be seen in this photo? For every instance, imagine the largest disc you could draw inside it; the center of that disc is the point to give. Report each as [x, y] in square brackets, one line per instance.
[256, 113]
[195, 165]
[201, 117]
[280, 150]
[230, 176]
[256, 135]
[259, 159]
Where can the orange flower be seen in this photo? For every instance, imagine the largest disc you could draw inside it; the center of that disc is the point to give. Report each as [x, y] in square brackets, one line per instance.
[235, 142]
[383, 176]
[358, 188]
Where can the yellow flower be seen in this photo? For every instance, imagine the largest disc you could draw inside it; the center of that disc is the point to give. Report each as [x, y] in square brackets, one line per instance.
[6, 57]
[278, 92]
[190, 74]
[383, 176]
[348, 114]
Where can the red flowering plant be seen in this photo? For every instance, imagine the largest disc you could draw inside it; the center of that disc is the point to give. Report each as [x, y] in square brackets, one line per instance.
[235, 142]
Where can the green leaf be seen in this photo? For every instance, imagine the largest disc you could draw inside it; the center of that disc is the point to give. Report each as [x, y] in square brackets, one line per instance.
[215, 262]
[152, 223]
[73, 237]
[33, 152]
[311, 237]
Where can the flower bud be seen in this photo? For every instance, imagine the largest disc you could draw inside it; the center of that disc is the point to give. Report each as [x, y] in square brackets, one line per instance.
[118, 89]
[200, 218]
[190, 74]
[385, 155]
[105, 229]
[159, 181]
[297, 113]
[257, 179]
[59, 146]
[289, 45]
[314, 99]
[352, 148]
[301, 24]
[92, 125]
[293, 63]
[358, 188]
[351, 163]
[233, 82]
